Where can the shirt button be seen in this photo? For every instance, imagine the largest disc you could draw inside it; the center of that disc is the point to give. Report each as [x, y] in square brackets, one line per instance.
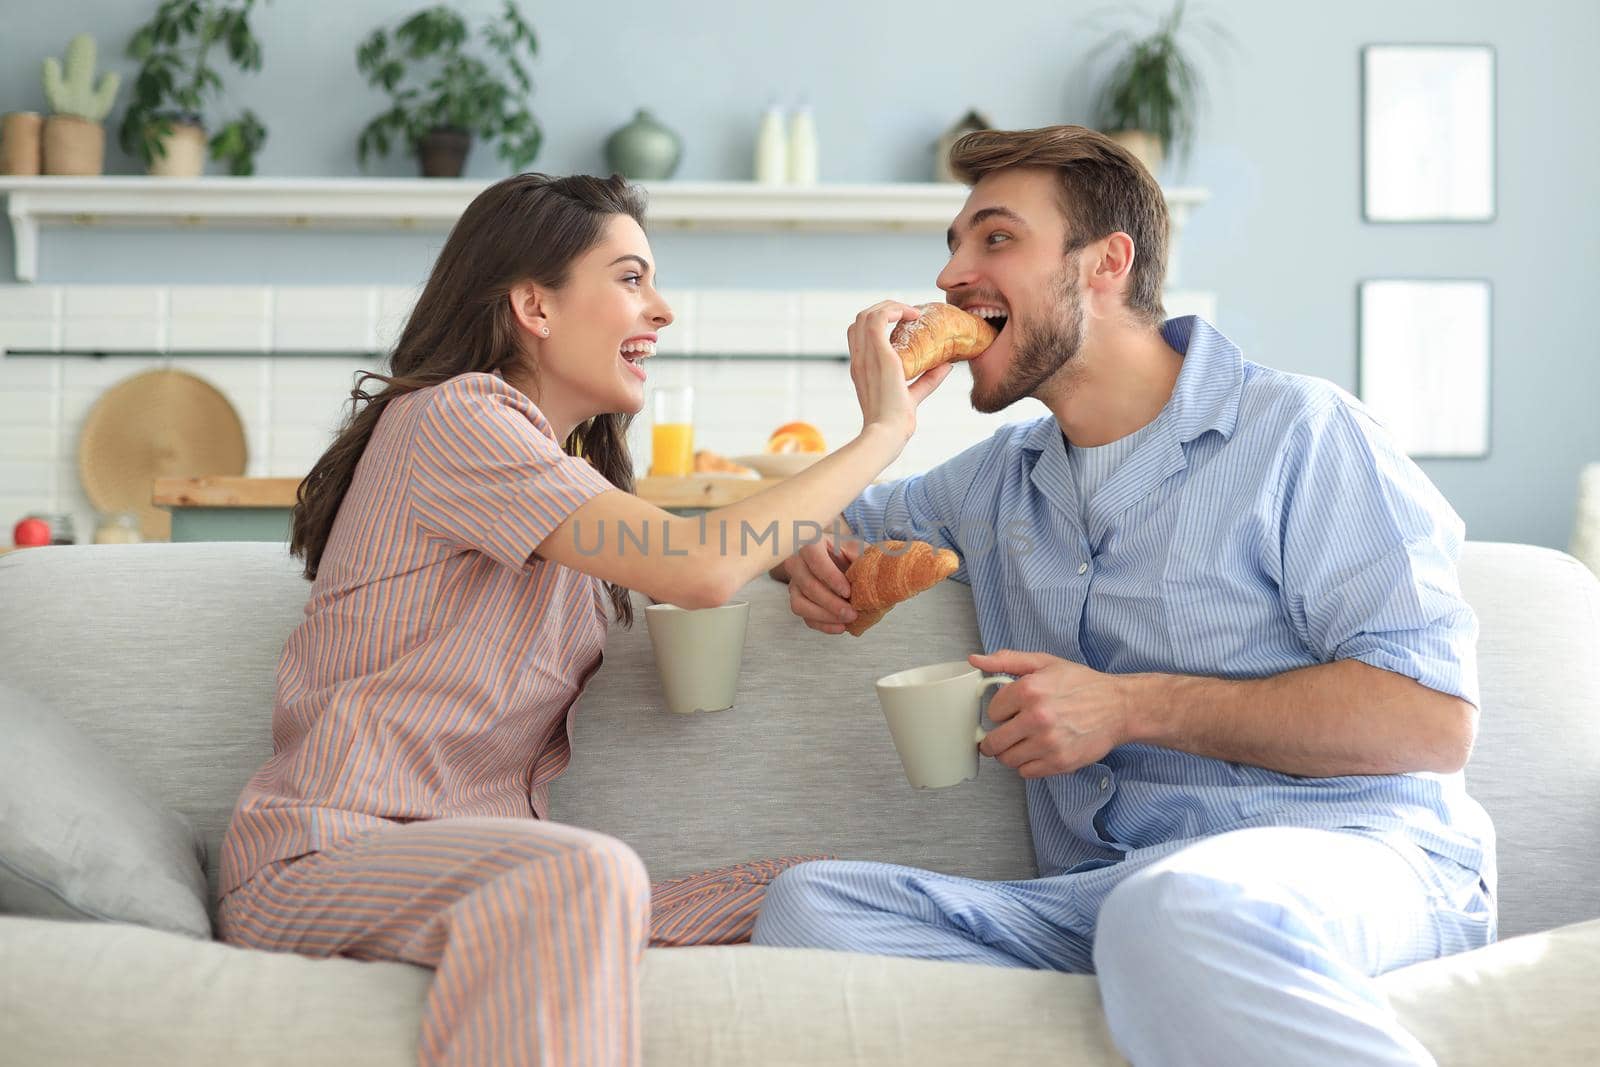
[1083, 568]
[1105, 782]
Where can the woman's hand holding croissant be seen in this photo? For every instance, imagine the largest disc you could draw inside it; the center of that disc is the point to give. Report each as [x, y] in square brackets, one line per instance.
[886, 398]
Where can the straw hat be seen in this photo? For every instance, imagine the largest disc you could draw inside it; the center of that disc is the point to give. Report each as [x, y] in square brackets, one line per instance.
[159, 424]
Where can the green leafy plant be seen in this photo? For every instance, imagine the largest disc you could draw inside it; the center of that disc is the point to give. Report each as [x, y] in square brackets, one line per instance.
[1155, 86]
[458, 91]
[175, 80]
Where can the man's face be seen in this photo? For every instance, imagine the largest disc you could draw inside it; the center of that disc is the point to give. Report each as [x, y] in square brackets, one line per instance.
[1006, 264]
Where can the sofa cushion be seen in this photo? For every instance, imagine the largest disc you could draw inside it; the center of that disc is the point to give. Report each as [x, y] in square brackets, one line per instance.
[111, 993]
[170, 1001]
[79, 840]
[167, 1000]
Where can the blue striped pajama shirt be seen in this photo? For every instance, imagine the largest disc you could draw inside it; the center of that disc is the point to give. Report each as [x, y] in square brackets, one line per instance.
[1263, 522]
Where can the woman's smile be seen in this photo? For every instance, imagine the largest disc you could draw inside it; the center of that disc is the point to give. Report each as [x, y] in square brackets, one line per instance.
[636, 350]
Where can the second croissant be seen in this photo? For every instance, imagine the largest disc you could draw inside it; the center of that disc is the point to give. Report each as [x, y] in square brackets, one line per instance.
[891, 572]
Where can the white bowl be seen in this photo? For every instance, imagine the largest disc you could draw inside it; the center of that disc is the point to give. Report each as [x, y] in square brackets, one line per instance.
[779, 464]
[748, 476]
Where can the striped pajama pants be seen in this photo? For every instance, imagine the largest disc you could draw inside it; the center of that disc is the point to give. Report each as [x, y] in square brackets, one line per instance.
[1255, 947]
[535, 930]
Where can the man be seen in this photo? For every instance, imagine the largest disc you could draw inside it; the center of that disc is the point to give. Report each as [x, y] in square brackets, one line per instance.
[1246, 683]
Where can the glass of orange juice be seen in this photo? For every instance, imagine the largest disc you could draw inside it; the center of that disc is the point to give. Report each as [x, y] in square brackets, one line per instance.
[672, 433]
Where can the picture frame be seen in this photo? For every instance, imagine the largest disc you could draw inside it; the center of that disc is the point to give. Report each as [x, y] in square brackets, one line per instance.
[1428, 133]
[1425, 365]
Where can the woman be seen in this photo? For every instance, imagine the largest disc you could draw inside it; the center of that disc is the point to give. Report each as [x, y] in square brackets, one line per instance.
[456, 613]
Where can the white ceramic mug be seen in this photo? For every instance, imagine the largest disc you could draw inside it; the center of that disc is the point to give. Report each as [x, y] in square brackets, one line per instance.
[698, 652]
[933, 718]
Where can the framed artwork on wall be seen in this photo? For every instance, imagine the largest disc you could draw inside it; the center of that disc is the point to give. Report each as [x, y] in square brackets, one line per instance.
[1427, 142]
[1424, 365]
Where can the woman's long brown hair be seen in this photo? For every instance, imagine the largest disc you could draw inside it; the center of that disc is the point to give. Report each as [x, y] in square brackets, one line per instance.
[530, 227]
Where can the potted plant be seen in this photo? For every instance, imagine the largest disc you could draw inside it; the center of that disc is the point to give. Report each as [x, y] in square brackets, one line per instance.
[74, 140]
[1149, 102]
[457, 95]
[164, 125]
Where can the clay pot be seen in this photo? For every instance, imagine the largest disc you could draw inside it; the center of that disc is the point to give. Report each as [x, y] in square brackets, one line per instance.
[443, 152]
[21, 142]
[1145, 146]
[185, 155]
[73, 146]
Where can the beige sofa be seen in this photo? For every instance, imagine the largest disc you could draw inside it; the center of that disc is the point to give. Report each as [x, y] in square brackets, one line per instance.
[165, 654]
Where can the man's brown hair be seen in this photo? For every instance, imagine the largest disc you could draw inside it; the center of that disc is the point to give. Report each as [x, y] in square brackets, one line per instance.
[1104, 189]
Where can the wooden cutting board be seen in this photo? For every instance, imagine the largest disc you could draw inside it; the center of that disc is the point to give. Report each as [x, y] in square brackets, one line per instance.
[159, 424]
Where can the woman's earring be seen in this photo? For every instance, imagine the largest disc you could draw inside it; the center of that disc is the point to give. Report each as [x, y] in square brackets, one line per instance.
[544, 331]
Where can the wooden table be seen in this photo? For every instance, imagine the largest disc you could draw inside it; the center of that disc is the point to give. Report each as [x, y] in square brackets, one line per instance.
[257, 509]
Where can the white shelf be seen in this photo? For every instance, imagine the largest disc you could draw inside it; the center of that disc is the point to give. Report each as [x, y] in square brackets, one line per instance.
[435, 204]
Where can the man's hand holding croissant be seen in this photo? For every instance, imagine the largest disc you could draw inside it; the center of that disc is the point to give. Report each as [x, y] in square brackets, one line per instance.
[818, 591]
[845, 586]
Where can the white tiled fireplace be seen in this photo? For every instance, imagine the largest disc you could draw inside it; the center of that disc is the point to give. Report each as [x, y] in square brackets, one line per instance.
[286, 357]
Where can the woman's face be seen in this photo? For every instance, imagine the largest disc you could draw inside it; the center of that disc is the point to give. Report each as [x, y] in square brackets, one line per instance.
[603, 325]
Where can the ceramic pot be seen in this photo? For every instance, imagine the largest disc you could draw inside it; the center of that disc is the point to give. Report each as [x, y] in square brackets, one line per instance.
[644, 149]
[184, 153]
[443, 152]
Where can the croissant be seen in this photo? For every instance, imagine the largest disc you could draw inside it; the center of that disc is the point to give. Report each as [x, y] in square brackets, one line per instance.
[709, 462]
[887, 573]
[943, 334]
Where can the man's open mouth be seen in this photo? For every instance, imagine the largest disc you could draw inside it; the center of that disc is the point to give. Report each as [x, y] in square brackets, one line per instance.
[992, 314]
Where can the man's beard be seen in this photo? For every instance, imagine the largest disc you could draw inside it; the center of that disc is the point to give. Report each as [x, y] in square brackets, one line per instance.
[1038, 354]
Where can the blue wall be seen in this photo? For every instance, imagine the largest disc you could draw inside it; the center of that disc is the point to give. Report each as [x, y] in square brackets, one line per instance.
[1281, 241]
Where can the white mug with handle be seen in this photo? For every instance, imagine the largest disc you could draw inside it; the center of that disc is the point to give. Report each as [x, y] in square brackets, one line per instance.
[933, 718]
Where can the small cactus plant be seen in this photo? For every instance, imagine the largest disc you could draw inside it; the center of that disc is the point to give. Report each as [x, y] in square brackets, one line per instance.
[74, 94]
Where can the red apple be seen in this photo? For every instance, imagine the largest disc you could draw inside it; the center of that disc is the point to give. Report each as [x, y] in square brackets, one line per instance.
[30, 532]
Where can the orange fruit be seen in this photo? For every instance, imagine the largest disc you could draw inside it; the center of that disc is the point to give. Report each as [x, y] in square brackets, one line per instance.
[796, 437]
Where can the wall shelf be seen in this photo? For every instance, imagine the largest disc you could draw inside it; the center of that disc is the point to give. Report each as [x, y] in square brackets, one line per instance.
[434, 204]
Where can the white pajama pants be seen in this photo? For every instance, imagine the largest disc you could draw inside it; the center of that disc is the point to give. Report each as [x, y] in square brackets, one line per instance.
[1252, 947]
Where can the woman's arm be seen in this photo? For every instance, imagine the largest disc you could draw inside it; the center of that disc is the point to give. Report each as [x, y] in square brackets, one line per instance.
[703, 561]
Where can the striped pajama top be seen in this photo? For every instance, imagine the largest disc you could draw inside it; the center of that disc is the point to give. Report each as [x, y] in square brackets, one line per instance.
[1263, 522]
[434, 669]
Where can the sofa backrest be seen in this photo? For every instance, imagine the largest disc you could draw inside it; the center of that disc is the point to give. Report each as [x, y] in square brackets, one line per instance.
[166, 654]
[1536, 766]
[802, 764]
